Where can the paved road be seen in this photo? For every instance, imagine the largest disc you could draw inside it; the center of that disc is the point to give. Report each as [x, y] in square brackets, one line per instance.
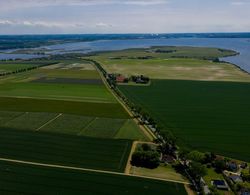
[145, 130]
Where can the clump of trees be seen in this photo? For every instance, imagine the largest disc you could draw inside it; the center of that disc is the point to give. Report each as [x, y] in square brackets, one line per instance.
[246, 175]
[146, 156]
[197, 170]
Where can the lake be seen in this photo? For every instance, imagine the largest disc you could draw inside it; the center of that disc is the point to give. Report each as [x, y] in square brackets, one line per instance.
[241, 45]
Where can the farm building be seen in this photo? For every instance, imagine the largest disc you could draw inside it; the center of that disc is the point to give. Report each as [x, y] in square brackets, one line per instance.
[168, 159]
[235, 178]
[232, 166]
[140, 79]
[220, 184]
[121, 79]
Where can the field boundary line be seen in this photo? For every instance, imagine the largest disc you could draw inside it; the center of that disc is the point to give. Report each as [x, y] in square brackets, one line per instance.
[123, 155]
[48, 122]
[128, 165]
[57, 98]
[87, 125]
[21, 114]
[85, 169]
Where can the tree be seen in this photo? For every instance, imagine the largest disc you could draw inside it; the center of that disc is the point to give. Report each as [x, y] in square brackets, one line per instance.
[147, 159]
[146, 156]
[246, 175]
[209, 157]
[183, 152]
[146, 147]
[196, 156]
[220, 165]
[197, 170]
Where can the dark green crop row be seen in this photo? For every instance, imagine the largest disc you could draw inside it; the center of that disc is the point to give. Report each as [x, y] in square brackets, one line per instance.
[105, 154]
[209, 116]
[26, 179]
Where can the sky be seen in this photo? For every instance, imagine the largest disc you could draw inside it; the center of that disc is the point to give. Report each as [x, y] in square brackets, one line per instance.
[123, 16]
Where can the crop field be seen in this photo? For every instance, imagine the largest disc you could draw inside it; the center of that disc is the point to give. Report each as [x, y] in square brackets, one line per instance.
[103, 127]
[58, 91]
[72, 125]
[29, 121]
[130, 130]
[14, 66]
[105, 154]
[185, 63]
[60, 84]
[60, 88]
[109, 110]
[208, 116]
[27, 179]
[68, 98]
[68, 124]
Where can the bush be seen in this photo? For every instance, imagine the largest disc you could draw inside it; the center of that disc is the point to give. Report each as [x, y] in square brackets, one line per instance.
[197, 170]
[196, 156]
[146, 157]
[149, 159]
[220, 165]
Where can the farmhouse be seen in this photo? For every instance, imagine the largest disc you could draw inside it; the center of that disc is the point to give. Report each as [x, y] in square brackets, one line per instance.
[140, 79]
[232, 166]
[168, 159]
[220, 184]
[121, 79]
[235, 178]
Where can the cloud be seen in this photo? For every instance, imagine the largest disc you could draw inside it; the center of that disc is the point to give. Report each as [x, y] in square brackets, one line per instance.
[45, 24]
[240, 2]
[145, 3]
[103, 25]
[15, 4]
[122, 16]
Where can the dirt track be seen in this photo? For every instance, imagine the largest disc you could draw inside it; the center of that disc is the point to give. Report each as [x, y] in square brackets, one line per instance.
[81, 169]
[68, 81]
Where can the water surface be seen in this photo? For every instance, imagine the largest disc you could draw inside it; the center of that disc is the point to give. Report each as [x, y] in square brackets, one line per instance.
[241, 45]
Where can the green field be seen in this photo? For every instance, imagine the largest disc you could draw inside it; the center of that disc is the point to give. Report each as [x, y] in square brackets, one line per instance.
[29, 121]
[72, 124]
[26, 179]
[109, 110]
[21, 92]
[13, 66]
[208, 116]
[103, 127]
[104, 154]
[86, 109]
[130, 130]
[68, 124]
[185, 63]
[74, 92]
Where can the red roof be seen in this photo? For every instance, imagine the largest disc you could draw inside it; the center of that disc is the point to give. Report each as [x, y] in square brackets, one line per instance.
[120, 79]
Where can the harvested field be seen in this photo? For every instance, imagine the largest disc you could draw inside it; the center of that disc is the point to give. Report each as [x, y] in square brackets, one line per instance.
[177, 63]
[67, 65]
[27, 179]
[60, 73]
[68, 81]
[105, 154]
